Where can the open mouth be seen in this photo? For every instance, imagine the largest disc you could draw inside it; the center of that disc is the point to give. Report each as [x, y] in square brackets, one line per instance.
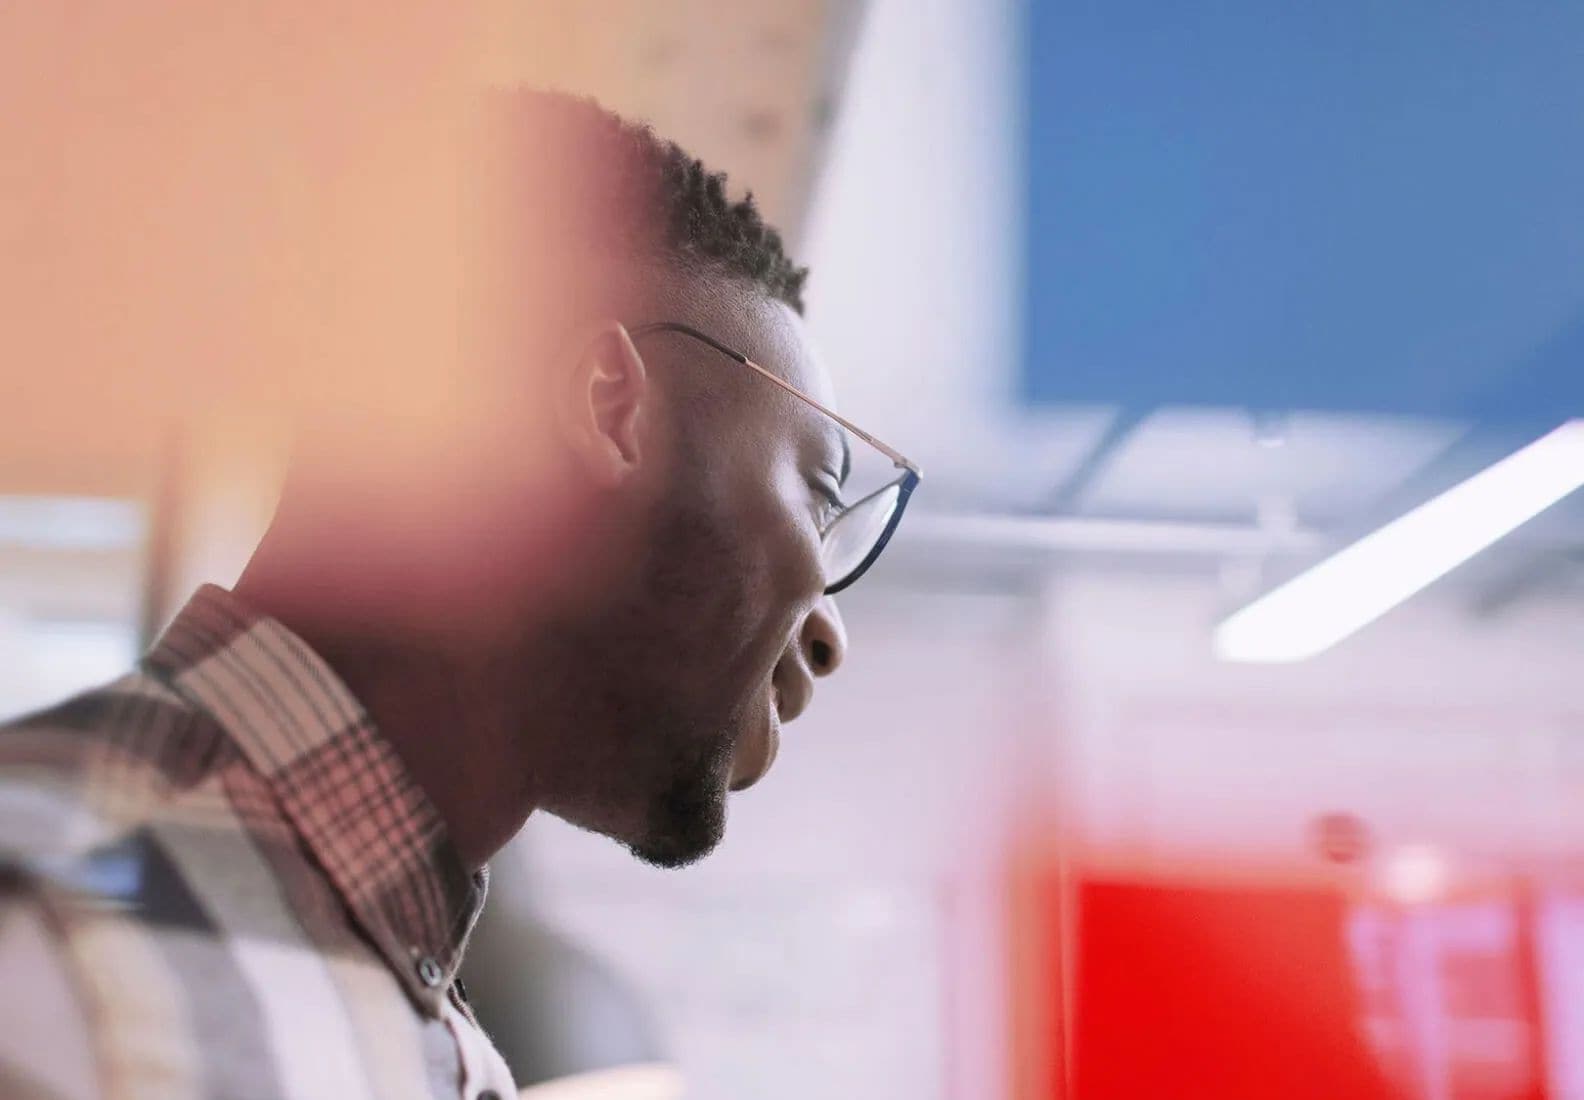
[758, 750]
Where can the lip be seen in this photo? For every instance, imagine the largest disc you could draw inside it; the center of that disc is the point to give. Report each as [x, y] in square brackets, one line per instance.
[760, 748]
[793, 694]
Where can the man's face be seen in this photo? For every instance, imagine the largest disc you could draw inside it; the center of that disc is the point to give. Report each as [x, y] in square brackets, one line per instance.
[717, 633]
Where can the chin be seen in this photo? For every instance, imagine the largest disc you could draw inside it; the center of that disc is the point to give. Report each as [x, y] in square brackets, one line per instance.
[687, 821]
[681, 847]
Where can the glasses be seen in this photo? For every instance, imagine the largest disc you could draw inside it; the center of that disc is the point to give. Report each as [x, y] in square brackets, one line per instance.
[852, 537]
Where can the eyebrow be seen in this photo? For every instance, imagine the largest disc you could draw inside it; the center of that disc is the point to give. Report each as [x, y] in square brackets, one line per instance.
[846, 456]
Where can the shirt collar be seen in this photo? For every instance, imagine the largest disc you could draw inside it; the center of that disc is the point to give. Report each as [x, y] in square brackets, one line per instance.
[357, 809]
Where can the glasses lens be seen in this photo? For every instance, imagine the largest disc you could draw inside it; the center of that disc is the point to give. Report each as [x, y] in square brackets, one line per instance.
[849, 540]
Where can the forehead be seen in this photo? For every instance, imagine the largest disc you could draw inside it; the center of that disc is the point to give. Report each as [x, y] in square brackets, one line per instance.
[776, 338]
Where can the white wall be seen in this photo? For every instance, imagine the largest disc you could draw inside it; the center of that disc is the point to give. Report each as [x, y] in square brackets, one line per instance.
[913, 237]
[1432, 724]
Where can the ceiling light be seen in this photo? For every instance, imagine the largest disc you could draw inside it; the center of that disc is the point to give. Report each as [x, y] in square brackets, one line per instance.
[1320, 607]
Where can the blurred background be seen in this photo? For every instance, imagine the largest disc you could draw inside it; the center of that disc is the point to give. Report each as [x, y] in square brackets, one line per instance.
[1212, 727]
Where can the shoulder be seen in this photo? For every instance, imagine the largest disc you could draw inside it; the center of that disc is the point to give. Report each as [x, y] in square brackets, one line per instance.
[45, 1050]
[89, 789]
[86, 774]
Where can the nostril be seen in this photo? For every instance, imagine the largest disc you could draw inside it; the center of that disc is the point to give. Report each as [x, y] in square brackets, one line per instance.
[820, 654]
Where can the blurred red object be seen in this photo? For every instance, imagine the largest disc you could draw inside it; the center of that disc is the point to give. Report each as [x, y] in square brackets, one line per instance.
[1230, 992]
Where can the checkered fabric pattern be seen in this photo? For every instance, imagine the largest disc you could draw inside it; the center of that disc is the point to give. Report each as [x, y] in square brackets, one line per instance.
[237, 884]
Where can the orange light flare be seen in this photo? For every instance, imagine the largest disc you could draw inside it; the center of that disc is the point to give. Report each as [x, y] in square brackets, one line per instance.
[223, 206]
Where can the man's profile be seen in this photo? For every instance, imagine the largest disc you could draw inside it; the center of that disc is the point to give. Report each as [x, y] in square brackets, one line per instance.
[249, 867]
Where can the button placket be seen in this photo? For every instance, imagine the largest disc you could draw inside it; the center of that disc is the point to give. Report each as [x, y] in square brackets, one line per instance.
[430, 972]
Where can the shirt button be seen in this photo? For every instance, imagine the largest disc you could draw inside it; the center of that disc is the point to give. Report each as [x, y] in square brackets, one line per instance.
[429, 972]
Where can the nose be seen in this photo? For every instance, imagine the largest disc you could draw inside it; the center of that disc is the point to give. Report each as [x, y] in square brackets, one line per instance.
[824, 638]
[818, 649]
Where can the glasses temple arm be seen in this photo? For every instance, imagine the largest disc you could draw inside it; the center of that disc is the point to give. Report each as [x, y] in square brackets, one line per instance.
[901, 462]
[897, 458]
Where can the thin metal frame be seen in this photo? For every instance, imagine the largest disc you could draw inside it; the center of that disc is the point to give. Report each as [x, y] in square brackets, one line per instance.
[904, 484]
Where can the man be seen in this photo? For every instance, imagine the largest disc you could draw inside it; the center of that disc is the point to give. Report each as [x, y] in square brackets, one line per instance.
[595, 582]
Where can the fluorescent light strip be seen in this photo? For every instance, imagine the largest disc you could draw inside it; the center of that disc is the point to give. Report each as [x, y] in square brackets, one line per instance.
[1080, 534]
[1317, 609]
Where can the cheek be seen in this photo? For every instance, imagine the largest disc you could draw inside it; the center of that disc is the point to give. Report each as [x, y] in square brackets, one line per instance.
[791, 547]
[763, 571]
[775, 558]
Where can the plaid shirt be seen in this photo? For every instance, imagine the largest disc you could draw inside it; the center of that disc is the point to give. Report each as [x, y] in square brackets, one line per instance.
[217, 880]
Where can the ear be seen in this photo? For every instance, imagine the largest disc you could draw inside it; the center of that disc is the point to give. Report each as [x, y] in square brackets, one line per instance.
[608, 402]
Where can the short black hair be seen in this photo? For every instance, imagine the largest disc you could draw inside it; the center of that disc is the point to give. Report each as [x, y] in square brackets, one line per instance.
[617, 185]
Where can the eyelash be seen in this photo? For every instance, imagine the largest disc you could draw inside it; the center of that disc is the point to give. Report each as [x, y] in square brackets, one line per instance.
[830, 506]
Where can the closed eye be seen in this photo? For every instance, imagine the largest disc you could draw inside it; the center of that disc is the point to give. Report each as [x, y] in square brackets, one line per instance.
[831, 502]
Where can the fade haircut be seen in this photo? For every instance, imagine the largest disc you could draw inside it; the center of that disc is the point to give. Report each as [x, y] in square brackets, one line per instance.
[592, 182]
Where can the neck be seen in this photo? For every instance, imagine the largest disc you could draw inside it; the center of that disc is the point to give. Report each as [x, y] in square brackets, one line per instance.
[427, 691]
